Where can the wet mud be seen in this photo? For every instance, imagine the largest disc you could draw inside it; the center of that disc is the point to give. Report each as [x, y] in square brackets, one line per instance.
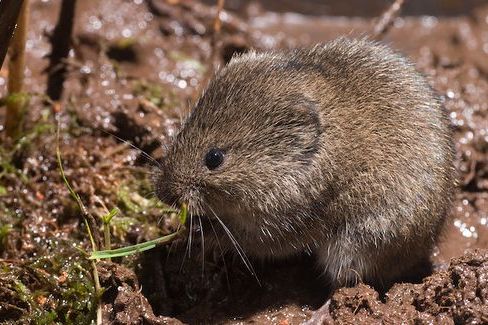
[135, 68]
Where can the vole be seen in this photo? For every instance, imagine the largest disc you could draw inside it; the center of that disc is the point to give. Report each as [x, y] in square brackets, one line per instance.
[342, 149]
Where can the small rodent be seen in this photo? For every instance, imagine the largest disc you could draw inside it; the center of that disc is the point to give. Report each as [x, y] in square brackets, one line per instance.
[343, 150]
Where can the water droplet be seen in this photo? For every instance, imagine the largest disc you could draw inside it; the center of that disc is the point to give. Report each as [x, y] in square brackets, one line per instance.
[95, 22]
[126, 32]
[182, 84]
[85, 69]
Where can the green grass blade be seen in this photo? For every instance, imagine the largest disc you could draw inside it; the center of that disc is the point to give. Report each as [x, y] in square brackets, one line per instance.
[183, 214]
[63, 175]
[75, 195]
[134, 249]
[170, 210]
[108, 217]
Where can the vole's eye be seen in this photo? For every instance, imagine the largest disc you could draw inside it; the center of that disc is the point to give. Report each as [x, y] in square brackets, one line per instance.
[214, 158]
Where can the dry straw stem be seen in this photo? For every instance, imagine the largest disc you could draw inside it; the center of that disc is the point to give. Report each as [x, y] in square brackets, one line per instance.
[16, 104]
[383, 24]
[217, 22]
[217, 26]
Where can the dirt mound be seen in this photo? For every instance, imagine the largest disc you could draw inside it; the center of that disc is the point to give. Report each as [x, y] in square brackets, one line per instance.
[458, 295]
[123, 300]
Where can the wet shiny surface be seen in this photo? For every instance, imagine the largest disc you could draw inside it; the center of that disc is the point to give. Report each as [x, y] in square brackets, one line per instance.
[156, 57]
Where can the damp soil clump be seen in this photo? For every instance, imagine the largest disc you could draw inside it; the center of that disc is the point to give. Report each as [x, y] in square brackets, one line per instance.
[134, 68]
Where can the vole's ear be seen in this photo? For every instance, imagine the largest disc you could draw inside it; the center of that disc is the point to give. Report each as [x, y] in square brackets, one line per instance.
[310, 125]
[299, 127]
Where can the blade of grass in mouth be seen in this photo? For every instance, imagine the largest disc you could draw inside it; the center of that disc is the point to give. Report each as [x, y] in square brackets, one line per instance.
[134, 249]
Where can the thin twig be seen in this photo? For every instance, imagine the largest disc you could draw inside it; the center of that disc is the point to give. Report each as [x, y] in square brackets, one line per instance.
[217, 27]
[383, 24]
[61, 41]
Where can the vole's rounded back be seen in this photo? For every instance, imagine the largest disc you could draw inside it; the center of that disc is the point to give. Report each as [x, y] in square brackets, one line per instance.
[342, 149]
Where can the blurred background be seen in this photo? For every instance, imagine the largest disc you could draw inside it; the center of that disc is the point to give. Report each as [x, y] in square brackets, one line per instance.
[371, 8]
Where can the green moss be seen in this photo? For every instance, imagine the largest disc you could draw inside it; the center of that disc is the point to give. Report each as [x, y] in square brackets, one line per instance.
[34, 133]
[138, 206]
[155, 93]
[133, 201]
[9, 221]
[23, 142]
[188, 61]
[4, 232]
[17, 98]
[54, 289]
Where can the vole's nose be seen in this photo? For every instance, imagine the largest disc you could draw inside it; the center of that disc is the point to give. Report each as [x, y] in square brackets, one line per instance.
[168, 191]
[173, 192]
[169, 197]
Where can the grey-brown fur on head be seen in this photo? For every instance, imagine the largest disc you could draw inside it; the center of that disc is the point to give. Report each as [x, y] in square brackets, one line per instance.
[342, 149]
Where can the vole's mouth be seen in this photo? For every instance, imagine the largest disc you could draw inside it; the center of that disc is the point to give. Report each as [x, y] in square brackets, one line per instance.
[202, 228]
[195, 223]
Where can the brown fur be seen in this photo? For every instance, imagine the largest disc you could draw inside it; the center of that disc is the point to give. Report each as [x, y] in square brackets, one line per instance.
[342, 149]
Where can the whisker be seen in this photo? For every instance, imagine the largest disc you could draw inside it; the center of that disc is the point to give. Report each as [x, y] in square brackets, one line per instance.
[173, 205]
[140, 169]
[190, 240]
[144, 154]
[239, 250]
[237, 246]
[203, 246]
[221, 253]
[186, 253]
[150, 195]
[171, 246]
[160, 220]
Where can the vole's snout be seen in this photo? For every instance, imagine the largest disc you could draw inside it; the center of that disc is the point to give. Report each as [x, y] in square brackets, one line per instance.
[167, 189]
[166, 192]
[173, 192]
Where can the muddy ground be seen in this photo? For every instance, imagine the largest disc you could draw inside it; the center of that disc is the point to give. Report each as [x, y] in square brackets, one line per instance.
[134, 69]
